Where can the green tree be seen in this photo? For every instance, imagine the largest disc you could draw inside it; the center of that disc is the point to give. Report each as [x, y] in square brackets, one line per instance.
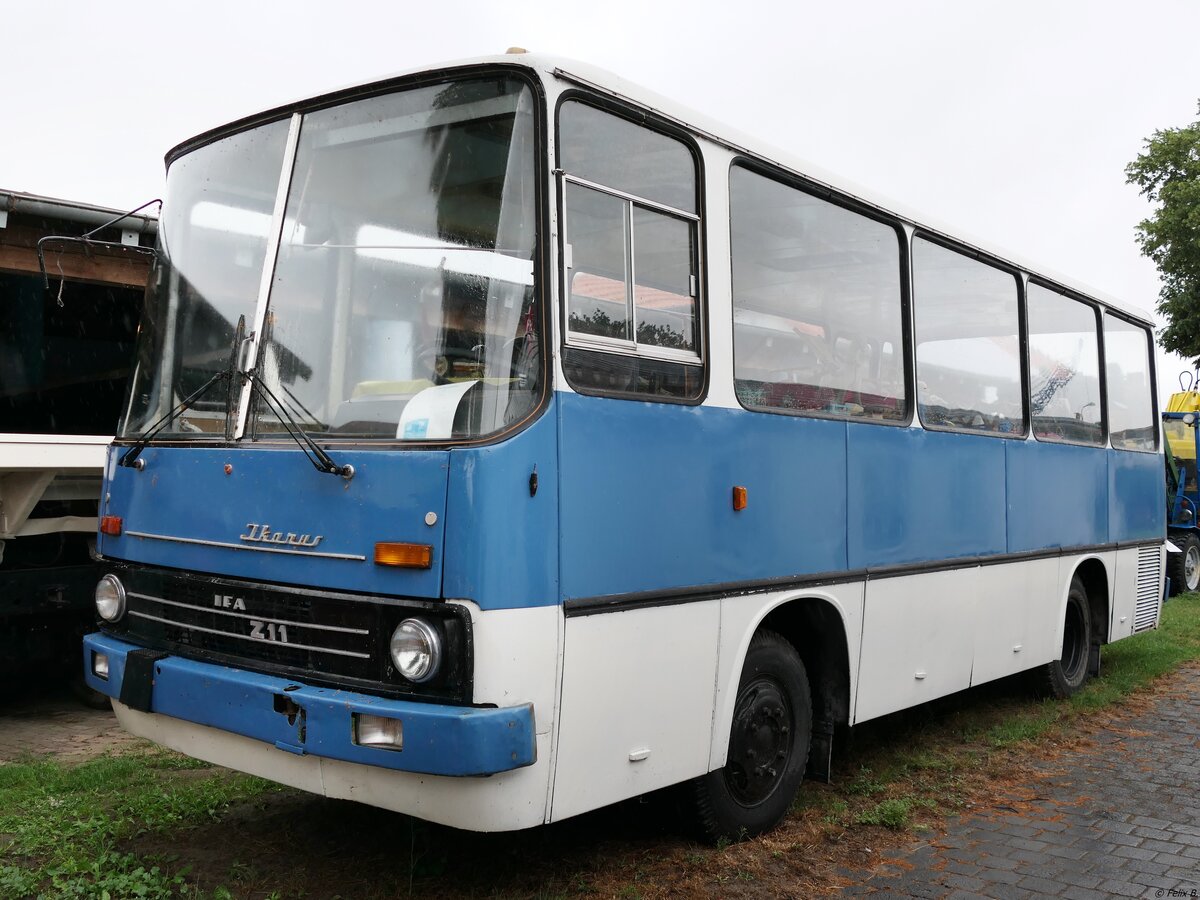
[1168, 174]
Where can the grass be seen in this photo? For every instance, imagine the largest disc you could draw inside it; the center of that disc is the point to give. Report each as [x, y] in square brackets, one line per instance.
[61, 825]
[130, 825]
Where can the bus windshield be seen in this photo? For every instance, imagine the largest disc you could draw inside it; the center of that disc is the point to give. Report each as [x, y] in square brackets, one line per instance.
[401, 303]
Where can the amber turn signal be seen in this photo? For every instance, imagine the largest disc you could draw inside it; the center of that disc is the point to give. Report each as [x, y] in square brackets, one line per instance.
[406, 556]
[111, 525]
[739, 498]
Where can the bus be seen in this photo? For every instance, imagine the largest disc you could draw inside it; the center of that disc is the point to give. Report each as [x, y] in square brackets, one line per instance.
[505, 441]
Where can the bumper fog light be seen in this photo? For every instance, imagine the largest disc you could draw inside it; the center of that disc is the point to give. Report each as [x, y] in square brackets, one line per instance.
[100, 665]
[378, 731]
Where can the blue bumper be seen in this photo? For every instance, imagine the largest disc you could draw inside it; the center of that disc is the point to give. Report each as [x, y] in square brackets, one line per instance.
[438, 740]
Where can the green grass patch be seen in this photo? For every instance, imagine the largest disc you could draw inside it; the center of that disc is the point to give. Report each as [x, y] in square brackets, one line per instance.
[892, 813]
[61, 825]
[865, 783]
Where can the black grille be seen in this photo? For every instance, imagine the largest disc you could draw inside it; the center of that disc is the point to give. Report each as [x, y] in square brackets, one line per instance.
[323, 638]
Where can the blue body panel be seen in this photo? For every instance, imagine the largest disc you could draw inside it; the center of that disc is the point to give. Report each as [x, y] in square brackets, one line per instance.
[438, 740]
[923, 495]
[647, 495]
[1057, 495]
[1137, 496]
[184, 492]
[501, 540]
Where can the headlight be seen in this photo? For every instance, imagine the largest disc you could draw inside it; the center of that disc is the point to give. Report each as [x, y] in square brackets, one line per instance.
[416, 650]
[110, 598]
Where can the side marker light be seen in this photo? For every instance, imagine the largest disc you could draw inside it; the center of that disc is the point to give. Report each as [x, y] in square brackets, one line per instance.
[111, 525]
[405, 556]
[739, 498]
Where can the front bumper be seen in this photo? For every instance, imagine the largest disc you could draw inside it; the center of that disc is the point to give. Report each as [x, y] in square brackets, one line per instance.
[297, 718]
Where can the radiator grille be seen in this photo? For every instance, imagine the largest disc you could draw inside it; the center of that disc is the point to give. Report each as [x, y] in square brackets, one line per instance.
[1149, 588]
[320, 637]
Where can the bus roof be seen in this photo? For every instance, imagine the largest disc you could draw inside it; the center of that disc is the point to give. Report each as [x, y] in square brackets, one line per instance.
[711, 130]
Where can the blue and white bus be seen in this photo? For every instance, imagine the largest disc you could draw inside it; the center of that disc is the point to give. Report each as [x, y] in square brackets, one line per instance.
[505, 442]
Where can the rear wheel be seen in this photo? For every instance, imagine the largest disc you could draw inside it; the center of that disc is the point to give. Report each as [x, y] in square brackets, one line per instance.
[1183, 568]
[768, 746]
[1066, 675]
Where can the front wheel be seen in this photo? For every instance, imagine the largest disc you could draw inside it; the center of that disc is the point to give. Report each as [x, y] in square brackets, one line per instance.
[1184, 567]
[1066, 675]
[768, 746]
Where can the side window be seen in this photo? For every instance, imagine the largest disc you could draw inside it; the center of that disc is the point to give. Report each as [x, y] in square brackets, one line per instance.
[1131, 414]
[1064, 368]
[630, 252]
[967, 324]
[817, 314]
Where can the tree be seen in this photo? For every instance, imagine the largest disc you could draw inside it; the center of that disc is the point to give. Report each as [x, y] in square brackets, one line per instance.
[1168, 174]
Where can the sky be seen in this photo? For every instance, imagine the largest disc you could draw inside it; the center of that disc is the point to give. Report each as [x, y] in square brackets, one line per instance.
[1009, 121]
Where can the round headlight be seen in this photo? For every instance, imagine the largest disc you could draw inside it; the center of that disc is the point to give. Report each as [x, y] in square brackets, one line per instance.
[416, 650]
[110, 598]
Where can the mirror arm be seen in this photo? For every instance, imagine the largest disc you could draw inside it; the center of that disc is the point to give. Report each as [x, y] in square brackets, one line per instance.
[86, 240]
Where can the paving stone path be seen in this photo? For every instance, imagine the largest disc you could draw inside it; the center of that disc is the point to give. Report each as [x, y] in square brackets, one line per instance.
[1120, 817]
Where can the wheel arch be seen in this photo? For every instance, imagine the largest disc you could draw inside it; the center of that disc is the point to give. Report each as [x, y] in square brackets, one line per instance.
[819, 626]
[1096, 582]
[815, 627]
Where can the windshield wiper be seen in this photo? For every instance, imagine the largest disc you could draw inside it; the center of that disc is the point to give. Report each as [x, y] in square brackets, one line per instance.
[130, 457]
[321, 460]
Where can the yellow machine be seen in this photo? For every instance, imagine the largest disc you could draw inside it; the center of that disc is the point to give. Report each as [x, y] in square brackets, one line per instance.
[1183, 445]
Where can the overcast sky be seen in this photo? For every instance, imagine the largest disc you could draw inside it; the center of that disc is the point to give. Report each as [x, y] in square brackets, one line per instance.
[1010, 120]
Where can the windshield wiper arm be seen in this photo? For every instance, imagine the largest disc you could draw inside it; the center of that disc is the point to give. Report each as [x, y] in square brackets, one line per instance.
[130, 457]
[321, 460]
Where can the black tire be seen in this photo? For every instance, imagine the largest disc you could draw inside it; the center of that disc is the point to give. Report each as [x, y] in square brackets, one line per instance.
[1066, 675]
[768, 747]
[1183, 568]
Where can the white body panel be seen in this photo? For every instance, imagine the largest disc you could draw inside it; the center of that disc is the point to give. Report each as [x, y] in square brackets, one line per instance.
[1016, 618]
[637, 702]
[1124, 594]
[916, 643]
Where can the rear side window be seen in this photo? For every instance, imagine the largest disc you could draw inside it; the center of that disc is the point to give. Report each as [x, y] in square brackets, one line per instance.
[818, 317]
[1131, 417]
[1064, 369]
[967, 323]
[630, 257]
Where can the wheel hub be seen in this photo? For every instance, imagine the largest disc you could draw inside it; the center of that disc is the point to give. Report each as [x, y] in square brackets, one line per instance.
[760, 742]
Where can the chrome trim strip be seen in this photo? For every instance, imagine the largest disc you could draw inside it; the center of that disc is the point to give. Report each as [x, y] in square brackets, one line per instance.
[246, 637]
[354, 557]
[238, 615]
[268, 270]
